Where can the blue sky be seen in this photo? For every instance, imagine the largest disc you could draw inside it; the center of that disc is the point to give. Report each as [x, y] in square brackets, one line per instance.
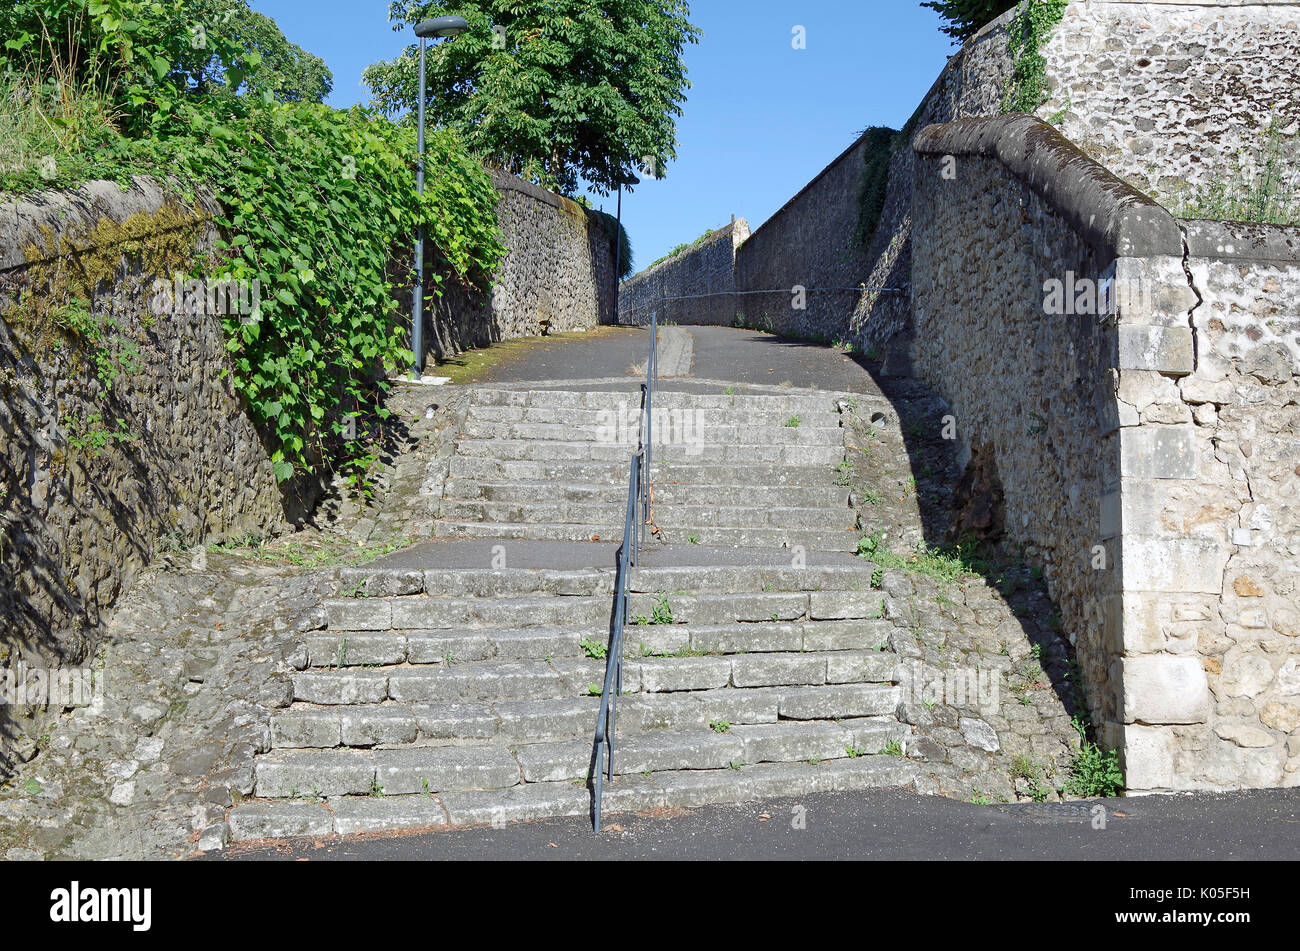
[761, 119]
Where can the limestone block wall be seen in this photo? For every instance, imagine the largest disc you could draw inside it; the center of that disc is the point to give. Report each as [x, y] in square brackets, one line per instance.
[559, 268]
[1143, 427]
[694, 286]
[1212, 542]
[93, 474]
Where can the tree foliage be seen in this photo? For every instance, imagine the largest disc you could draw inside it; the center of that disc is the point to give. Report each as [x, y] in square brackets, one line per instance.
[146, 55]
[964, 18]
[551, 90]
[317, 204]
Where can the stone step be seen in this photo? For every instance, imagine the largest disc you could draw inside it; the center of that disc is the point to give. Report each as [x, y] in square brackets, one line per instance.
[701, 430]
[676, 789]
[542, 450]
[288, 774]
[312, 726]
[665, 493]
[825, 418]
[615, 472]
[667, 516]
[809, 540]
[341, 649]
[774, 403]
[452, 682]
[422, 613]
[661, 750]
[293, 773]
[374, 581]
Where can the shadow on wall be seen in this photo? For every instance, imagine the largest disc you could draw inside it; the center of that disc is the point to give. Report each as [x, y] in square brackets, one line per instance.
[121, 430]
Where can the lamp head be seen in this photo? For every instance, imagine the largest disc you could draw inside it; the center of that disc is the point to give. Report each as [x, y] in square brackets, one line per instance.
[441, 26]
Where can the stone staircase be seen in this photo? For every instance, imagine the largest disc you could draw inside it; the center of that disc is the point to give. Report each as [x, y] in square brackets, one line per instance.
[729, 470]
[760, 663]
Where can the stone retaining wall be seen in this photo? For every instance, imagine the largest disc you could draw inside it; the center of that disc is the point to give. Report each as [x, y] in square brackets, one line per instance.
[1135, 412]
[94, 470]
[799, 270]
[694, 286]
[558, 275]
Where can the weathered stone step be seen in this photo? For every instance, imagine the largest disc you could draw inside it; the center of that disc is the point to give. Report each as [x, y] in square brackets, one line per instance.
[424, 613]
[669, 789]
[570, 677]
[608, 399]
[377, 581]
[390, 724]
[391, 648]
[544, 450]
[665, 493]
[701, 472]
[701, 430]
[667, 516]
[827, 418]
[809, 540]
[288, 774]
[707, 749]
[421, 612]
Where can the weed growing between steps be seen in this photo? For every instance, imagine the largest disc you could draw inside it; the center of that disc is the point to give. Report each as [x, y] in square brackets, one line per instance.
[949, 564]
[324, 551]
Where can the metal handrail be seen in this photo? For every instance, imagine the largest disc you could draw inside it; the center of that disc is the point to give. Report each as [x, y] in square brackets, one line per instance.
[638, 504]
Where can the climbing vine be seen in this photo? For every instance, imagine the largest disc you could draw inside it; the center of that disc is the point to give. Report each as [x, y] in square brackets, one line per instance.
[881, 145]
[1030, 29]
[318, 204]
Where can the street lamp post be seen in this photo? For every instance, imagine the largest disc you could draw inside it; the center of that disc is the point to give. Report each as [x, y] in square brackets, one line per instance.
[438, 26]
[618, 241]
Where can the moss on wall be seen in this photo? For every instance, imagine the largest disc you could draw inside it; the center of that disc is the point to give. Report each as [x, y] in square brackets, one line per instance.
[66, 271]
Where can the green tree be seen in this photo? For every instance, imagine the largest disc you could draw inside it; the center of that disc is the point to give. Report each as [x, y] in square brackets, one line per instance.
[144, 55]
[552, 90]
[964, 18]
[287, 72]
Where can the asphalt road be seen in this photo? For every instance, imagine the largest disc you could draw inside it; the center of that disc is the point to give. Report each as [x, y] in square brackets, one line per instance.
[877, 825]
[738, 356]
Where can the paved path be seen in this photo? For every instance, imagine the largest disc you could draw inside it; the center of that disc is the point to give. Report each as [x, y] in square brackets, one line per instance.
[712, 353]
[876, 824]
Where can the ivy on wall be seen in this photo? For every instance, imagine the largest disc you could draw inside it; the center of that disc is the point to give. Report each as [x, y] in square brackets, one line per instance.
[1030, 29]
[317, 204]
[881, 144]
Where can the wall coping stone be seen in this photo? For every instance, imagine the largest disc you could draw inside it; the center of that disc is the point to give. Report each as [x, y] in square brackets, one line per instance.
[505, 182]
[1111, 215]
[1242, 241]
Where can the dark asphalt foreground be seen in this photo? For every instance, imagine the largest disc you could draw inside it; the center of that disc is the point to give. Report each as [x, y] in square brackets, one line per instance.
[877, 825]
